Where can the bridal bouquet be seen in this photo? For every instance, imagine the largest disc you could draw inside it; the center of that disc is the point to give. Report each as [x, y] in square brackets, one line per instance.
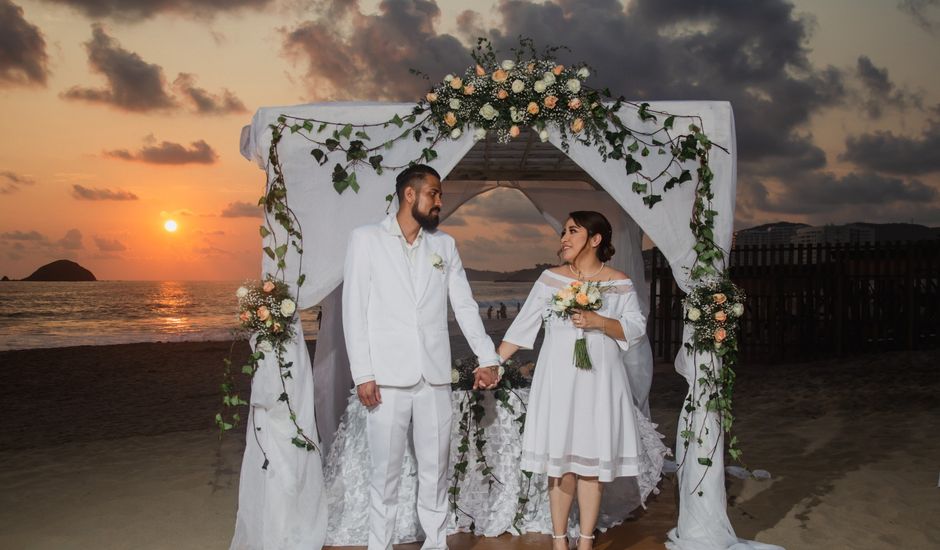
[578, 296]
[266, 309]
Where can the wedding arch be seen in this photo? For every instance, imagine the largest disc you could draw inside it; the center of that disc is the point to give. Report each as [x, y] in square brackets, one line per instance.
[666, 169]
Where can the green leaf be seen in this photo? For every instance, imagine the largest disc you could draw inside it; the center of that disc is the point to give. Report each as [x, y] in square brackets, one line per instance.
[645, 152]
[362, 135]
[283, 397]
[248, 370]
[308, 125]
[667, 124]
[322, 127]
[294, 128]
[351, 182]
[634, 147]
[632, 165]
[346, 131]
[269, 252]
[397, 121]
[376, 162]
[685, 176]
[320, 156]
[651, 200]
[301, 279]
[281, 251]
[705, 461]
[332, 144]
[264, 231]
[639, 188]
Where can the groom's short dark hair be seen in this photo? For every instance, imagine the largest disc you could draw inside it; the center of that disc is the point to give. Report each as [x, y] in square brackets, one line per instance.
[411, 176]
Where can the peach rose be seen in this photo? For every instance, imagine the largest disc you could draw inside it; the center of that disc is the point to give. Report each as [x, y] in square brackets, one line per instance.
[502, 94]
[530, 67]
[499, 75]
[268, 286]
[514, 131]
[533, 108]
[576, 284]
[245, 316]
[557, 70]
[550, 101]
[565, 294]
[575, 103]
[720, 335]
[263, 313]
[582, 299]
[456, 83]
[276, 327]
[480, 70]
[720, 316]
[719, 298]
[469, 89]
[432, 97]
[577, 125]
[450, 119]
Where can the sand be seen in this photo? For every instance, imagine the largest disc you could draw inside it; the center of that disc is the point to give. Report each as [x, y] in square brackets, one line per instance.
[112, 447]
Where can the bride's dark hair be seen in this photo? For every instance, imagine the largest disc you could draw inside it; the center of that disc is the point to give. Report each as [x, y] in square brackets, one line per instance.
[596, 224]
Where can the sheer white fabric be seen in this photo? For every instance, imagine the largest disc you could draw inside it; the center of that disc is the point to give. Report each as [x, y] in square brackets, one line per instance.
[282, 506]
[490, 509]
[580, 421]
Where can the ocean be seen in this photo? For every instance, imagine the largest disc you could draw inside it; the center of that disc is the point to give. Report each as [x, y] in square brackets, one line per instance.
[48, 315]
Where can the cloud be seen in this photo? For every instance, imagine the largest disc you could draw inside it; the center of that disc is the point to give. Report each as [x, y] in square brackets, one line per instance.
[879, 92]
[11, 182]
[133, 84]
[72, 240]
[827, 194]
[23, 58]
[167, 152]
[205, 103]
[372, 59]
[887, 152]
[23, 236]
[81, 192]
[502, 206]
[240, 209]
[132, 10]
[917, 9]
[109, 245]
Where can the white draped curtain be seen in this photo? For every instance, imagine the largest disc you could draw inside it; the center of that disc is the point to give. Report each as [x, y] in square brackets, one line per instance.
[327, 218]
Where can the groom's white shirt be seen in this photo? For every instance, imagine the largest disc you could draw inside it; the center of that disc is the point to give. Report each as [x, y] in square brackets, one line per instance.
[395, 306]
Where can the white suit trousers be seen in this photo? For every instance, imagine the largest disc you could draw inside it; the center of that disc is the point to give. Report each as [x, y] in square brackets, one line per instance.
[428, 406]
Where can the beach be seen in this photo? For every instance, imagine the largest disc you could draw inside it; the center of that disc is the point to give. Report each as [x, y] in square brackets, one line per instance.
[112, 447]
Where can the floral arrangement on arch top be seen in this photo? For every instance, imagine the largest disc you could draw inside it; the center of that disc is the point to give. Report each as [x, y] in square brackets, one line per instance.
[510, 95]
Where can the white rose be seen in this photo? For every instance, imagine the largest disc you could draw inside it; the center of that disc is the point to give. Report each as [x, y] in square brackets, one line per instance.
[288, 307]
[516, 115]
[508, 64]
[455, 133]
[548, 78]
[488, 112]
[265, 346]
[583, 72]
[448, 78]
[694, 314]
[454, 376]
[454, 103]
[594, 294]
[558, 307]
[737, 309]
[574, 85]
[479, 133]
[518, 86]
[241, 292]
[543, 135]
[501, 371]
[539, 86]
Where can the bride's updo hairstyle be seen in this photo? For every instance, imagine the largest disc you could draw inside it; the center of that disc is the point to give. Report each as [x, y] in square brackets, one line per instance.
[596, 224]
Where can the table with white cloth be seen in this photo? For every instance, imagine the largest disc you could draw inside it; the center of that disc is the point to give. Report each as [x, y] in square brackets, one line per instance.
[489, 507]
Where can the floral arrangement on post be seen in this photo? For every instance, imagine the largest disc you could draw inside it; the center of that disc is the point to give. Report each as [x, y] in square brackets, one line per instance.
[578, 296]
[266, 312]
[713, 309]
[470, 424]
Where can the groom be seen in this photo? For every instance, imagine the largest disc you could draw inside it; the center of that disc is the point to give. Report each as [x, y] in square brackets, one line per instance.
[398, 277]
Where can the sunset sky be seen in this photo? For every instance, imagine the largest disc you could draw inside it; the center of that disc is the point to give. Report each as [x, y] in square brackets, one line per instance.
[118, 115]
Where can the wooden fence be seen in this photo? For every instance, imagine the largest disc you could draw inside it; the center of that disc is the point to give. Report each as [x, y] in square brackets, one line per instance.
[814, 301]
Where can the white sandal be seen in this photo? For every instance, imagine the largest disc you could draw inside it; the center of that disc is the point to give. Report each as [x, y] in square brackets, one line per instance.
[589, 537]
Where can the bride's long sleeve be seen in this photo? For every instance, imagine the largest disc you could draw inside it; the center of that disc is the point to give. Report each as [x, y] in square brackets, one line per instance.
[525, 327]
[631, 318]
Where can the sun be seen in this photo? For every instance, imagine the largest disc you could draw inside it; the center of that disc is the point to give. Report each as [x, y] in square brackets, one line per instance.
[170, 226]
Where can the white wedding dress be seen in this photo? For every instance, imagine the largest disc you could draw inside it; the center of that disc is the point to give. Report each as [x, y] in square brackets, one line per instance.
[584, 421]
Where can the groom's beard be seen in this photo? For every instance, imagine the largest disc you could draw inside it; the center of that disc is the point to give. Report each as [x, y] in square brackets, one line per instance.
[428, 221]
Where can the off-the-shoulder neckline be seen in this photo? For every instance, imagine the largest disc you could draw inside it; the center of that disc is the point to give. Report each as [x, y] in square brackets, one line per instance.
[566, 278]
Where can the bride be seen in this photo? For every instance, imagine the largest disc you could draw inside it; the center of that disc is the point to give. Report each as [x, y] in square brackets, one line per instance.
[581, 427]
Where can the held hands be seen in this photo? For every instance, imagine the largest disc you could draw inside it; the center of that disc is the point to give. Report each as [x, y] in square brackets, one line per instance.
[486, 378]
[369, 394]
[587, 320]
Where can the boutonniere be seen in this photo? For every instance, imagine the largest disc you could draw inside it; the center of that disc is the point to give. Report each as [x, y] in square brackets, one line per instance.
[437, 262]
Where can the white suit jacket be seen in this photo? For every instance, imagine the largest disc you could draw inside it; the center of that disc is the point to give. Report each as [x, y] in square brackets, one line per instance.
[396, 331]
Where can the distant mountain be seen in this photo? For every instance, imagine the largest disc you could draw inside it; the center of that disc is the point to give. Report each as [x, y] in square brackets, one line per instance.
[61, 270]
[528, 275]
[5, 278]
